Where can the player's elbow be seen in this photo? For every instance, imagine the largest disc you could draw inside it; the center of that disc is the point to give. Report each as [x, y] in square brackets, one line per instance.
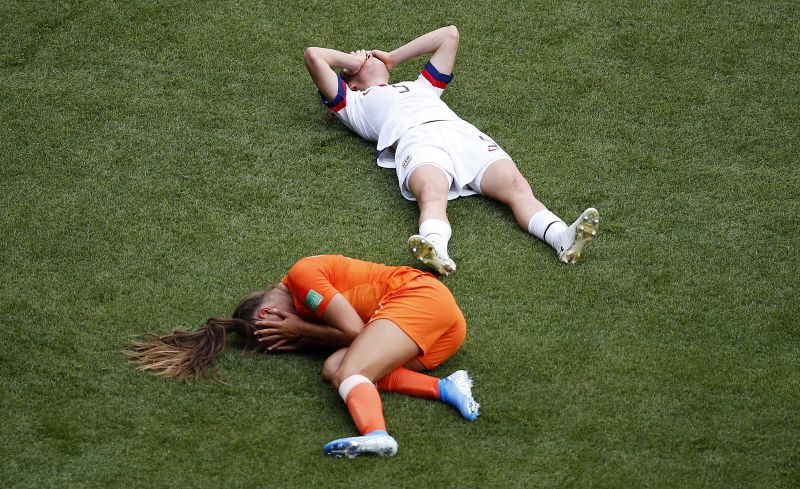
[452, 32]
[349, 335]
[311, 55]
[315, 60]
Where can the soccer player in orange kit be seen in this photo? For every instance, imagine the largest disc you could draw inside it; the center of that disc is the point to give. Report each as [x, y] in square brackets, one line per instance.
[389, 322]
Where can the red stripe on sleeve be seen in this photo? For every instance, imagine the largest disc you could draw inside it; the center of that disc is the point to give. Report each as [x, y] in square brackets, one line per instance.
[436, 83]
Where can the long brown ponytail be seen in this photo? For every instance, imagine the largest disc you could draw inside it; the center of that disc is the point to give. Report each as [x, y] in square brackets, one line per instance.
[187, 354]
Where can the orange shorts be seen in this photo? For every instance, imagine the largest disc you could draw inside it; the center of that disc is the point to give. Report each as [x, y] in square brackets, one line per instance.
[427, 312]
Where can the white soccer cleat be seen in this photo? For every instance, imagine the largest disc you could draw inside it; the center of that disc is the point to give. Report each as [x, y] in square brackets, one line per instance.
[424, 251]
[456, 390]
[583, 230]
[378, 443]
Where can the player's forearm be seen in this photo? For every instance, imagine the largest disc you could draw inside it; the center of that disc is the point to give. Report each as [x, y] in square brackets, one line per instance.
[323, 335]
[332, 58]
[310, 344]
[427, 43]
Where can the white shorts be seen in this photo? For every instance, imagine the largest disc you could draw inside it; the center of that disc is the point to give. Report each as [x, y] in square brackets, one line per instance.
[458, 148]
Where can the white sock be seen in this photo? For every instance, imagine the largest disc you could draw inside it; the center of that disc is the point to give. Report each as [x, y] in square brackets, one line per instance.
[548, 227]
[438, 233]
[347, 385]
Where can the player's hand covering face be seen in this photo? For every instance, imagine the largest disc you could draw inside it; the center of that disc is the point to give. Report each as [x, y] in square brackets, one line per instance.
[372, 72]
[278, 328]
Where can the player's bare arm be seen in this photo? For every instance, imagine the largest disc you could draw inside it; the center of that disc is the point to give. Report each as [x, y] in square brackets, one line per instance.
[342, 316]
[341, 325]
[283, 330]
[321, 61]
[442, 42]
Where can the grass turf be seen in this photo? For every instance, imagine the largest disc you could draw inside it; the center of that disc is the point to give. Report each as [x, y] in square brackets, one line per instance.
[161, 159]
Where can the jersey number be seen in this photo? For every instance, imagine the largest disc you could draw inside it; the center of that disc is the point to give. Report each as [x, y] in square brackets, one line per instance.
[402, 88]
[492, 146]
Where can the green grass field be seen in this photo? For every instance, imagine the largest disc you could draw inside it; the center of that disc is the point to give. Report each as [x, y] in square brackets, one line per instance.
[160, 159]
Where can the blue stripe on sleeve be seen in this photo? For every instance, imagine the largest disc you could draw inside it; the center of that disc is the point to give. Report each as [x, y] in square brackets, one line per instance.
[435, 73]
[339, 96]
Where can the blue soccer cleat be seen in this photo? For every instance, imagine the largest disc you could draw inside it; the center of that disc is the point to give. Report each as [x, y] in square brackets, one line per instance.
[377, 442]
[456, 390]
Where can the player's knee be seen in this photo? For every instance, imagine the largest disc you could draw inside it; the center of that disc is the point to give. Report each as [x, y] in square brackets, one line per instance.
[431, 192]
[519, 186]
[327, 372]
[428, 183]
[344, 371]
[329, 368]
[332, 364]
[337, 378]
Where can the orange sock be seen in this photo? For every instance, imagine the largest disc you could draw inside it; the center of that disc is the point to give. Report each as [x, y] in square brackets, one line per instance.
[405, 381]
[364, 404]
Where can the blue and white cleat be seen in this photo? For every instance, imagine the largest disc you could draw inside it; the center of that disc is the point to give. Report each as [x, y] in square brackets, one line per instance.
[378, 443]
[575, 237]
[456, 390]
[425, 251]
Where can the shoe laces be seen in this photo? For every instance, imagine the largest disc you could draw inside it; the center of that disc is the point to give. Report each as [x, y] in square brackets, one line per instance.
[462, 381]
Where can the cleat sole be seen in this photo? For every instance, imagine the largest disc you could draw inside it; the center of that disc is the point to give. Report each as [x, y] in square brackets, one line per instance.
[584, 232]
[382, 446]
[423, 250]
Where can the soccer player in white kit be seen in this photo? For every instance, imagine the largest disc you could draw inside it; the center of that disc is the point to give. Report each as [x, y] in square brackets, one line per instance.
[437, 155]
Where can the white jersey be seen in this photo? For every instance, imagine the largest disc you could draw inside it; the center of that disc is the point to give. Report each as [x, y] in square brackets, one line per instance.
[383, 113]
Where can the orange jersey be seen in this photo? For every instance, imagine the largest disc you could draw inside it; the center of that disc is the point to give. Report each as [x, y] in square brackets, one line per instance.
[414, 300]
[315, 280]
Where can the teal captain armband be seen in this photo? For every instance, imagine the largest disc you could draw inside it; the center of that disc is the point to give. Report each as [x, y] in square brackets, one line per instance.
[313, 300]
